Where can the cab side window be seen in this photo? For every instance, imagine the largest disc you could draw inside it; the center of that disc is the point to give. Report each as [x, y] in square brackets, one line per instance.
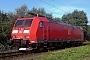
[41, 24]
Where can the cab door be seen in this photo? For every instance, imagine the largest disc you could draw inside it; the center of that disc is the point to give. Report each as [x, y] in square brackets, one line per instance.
[46, 31]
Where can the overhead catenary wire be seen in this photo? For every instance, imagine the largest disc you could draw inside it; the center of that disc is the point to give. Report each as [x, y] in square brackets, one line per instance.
[52, 6]
[64, 5]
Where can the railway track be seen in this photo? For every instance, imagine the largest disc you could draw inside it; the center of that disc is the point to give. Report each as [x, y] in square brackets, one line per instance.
[9, 54]
[15, 54]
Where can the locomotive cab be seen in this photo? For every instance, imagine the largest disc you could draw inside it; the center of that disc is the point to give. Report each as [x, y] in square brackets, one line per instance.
[26, 31]
[21, 32]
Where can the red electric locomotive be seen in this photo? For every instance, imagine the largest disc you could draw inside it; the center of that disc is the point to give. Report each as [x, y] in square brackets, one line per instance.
[41, 32]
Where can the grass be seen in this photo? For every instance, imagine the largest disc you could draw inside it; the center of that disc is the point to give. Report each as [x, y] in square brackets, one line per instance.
[76, 53]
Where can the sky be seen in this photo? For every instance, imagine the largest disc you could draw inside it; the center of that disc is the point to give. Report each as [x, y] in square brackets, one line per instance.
[57, 7]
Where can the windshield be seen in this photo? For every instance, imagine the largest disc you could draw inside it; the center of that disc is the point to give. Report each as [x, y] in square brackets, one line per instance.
[21, 23]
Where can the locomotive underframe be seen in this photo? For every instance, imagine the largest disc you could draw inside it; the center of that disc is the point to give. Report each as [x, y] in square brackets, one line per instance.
[47, 44]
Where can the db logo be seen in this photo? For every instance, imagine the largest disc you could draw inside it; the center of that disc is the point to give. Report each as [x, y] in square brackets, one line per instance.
[69, 32]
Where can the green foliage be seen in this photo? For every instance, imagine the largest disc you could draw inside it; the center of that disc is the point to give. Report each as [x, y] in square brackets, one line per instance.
[4, 47]
[21, 11]
[1, 47]
[77, 18]
[5, 29]
[68, 54]
[41, 11]
[3, 38]
[88, 33]
[11, 16]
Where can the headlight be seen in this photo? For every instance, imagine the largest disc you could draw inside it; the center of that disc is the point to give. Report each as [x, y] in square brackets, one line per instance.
[15, 31]
[26, 37]
[26, 31]
[13, 36]
[19, 37]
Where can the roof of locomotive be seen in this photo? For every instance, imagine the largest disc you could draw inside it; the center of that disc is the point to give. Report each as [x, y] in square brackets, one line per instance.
[52, 20]
[40, 18]
[49, 20]
[24, 18]
[58, 22]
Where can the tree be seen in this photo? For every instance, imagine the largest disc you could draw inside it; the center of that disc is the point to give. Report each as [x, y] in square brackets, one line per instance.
[39, 11]
[77, 18]
[88, 33]
[5, 27]
[11, 16]
[21, 11]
